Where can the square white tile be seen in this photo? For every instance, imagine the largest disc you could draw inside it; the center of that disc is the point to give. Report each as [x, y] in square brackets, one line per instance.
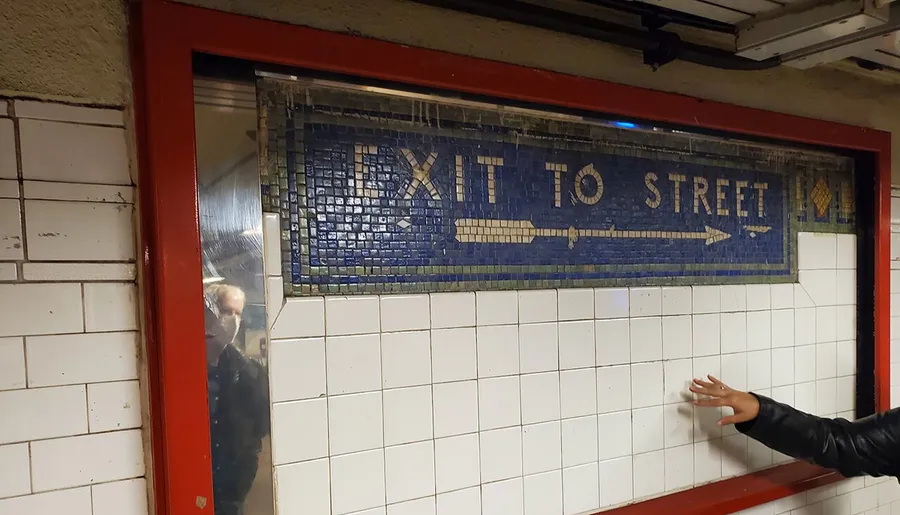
[826, 360]
[304, 488]
[496, 307]
[647, 429]
[405, 359]
[646, 339]
[759, 330]
[405, 312]
[677, 334]
[543, 493]
[614, 432]
[707, 461]
[409, 471]
[453, 354]
[613, 388]
[733, 298]
[456, 309]
[503, 497]
[783, 369]
[578, 392]
[783, 328]
[676, 300]
[611, 303]
[816, 251]
[357, 481]
[457, 462]
[706, 299]
[759, 370]
[299, 318]
[459, 502]
[499, 402]
[352, 315]
[541, 447]
[455, 408]
[804, 363]
[537, 306]
[845, 317]
[612, 341]
[647, 384]
[678, 424]
[540, 397]
[826, 324]
[355, 423]
[297, 369]
[649, 474]
[407, 415]
[616, 483]
[538, 347]
[498, 350]
[759, 297]
[782, 296]
[353, 363]
[576, 344]
[645, 302]
[677, 378]
[581, 489]
[579, 441]
[575, 303]
[679, 467]
[734, 332]
[299, 431]
[706, 334]
[734, 370]
[501, 454]
[734, 455]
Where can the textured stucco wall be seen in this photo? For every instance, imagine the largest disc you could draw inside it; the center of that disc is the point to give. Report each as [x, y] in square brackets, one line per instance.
[76, 49]
[65, 49]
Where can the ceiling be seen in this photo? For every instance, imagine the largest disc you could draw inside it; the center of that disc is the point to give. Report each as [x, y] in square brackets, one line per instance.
[883, 48]
[732, 34]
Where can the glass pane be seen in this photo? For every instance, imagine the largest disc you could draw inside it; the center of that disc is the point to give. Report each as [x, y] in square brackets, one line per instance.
[234, 285]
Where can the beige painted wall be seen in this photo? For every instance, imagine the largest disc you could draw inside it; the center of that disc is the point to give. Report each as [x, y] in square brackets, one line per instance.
[76, 49]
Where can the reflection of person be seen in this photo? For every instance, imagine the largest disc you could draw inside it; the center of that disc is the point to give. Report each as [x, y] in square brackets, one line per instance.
[238, 401]
[866, 447]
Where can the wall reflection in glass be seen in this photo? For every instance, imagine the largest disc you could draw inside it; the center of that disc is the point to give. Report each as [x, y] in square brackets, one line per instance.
[234, 300]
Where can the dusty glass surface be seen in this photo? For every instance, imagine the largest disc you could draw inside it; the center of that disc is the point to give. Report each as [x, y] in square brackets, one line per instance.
[234, 286]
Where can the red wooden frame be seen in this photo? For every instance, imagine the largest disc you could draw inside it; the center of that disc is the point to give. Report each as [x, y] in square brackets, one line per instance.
[165, 34]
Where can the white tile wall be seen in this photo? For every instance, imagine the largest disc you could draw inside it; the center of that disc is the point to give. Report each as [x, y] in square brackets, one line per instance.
[557, 402]
[70, 438]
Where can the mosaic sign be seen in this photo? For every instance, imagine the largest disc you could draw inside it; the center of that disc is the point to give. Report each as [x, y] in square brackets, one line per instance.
[369, 207]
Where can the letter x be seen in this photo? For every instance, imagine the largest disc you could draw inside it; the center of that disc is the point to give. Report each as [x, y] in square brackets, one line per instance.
[421, 175]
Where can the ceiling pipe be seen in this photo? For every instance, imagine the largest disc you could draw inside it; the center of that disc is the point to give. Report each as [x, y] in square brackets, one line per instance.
[659, 47]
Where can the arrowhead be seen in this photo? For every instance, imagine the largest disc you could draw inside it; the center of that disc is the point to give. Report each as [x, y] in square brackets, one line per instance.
[715, 235]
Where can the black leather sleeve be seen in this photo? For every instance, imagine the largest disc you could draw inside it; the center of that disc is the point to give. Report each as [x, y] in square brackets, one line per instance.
[866, 447]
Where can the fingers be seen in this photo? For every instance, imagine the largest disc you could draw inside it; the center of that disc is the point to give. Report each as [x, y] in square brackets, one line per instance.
[708, 403]
[716, 381]
[704, 388]
[731, 419]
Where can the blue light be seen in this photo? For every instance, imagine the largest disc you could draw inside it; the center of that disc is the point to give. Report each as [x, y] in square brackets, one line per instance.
[625, 125]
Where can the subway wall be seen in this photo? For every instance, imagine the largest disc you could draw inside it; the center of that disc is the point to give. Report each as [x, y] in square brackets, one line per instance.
[70, 436]
[79, 388]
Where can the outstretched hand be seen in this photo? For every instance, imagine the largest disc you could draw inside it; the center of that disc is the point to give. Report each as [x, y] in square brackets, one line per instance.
[718, 394]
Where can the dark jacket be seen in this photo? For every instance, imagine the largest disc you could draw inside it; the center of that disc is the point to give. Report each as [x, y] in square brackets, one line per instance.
[239, 420]
[866, 447]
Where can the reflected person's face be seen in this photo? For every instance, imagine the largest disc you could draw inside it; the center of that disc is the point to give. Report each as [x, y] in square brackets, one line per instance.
[230, 310]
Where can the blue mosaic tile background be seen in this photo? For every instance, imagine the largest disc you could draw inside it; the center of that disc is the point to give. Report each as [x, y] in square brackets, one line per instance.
[367, 207]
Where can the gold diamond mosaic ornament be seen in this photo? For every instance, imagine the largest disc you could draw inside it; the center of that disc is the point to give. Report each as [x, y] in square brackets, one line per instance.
[821, 197]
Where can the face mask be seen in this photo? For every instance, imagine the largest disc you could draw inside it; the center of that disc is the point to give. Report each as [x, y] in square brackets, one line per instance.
[231, 324]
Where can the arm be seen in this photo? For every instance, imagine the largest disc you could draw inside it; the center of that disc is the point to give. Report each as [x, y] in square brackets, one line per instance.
[870, 446]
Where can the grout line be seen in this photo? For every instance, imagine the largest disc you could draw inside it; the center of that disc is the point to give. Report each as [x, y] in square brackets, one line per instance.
[17, 138]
